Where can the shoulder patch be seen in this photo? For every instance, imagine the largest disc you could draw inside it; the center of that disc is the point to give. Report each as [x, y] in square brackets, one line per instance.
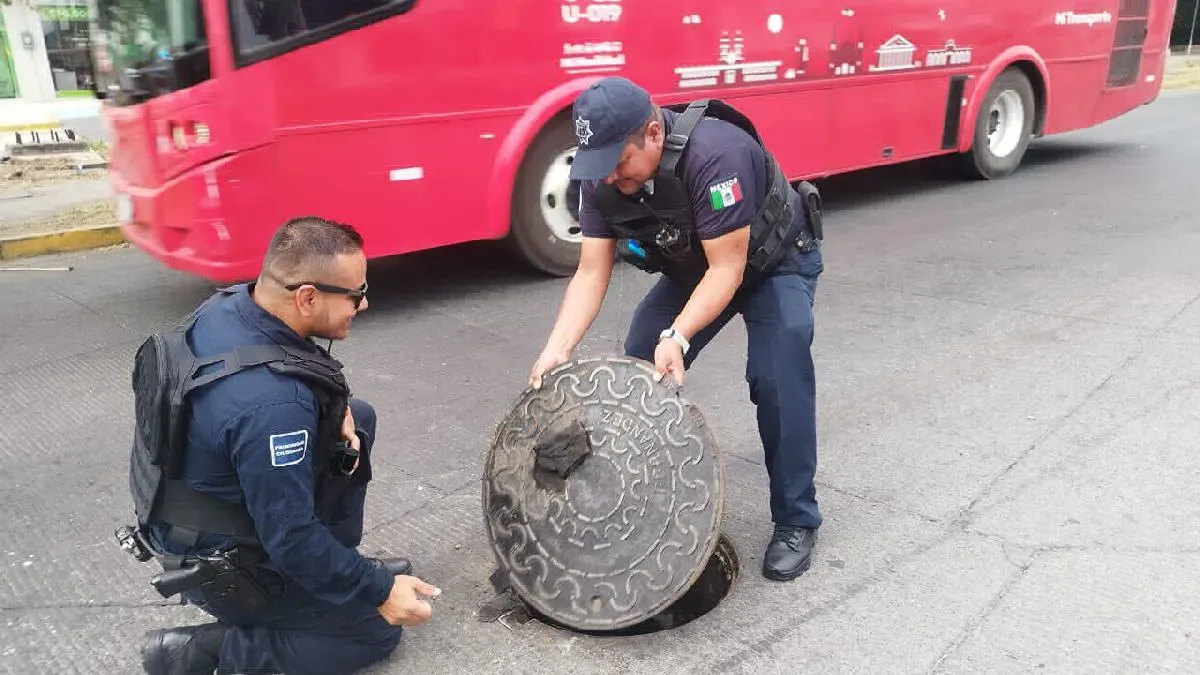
[288, 449]
[725, 194]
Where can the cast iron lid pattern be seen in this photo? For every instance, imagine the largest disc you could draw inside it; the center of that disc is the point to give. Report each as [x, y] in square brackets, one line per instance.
[603, 494]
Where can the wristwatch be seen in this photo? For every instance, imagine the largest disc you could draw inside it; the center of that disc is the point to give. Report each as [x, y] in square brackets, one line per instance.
[676, 336]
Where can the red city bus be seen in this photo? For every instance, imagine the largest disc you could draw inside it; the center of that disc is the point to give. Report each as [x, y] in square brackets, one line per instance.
[428, 123]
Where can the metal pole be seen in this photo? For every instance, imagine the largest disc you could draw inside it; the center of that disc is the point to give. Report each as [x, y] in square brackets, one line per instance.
[1192, 35]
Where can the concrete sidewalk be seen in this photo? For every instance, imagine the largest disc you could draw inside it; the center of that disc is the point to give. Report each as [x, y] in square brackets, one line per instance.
[51, 210]
[78, 115]
[19, 204]
[61, 201]
[15, 112]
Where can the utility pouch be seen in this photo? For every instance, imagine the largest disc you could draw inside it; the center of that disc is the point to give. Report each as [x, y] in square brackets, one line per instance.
[810, 199]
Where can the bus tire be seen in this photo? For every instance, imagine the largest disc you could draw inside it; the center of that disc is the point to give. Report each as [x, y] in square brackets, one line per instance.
[1003, 128]
[545, 229]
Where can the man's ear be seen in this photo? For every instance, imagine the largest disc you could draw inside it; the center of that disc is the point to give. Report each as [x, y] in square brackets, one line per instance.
[655, 133]
[305, 300]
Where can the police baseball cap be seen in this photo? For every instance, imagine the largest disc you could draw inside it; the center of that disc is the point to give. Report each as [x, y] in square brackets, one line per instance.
[605, 115]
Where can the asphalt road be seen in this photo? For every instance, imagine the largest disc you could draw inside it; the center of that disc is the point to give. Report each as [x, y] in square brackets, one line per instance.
[1008, 387]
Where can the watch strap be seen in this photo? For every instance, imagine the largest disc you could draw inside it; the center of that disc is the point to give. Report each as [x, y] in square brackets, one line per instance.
[676, 336]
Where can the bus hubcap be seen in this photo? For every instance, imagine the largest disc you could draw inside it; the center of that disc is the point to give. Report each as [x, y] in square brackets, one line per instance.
[1006, 119]
[558, 217]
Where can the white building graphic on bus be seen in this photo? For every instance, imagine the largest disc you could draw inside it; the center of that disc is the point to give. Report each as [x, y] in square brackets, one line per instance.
[950, 55]
[896, 54]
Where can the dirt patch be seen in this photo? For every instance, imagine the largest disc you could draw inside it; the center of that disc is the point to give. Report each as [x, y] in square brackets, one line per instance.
[1188, 80]
[1182, 75]
[91, 214]
[52, 193]
[1192, 82]
[46, 171]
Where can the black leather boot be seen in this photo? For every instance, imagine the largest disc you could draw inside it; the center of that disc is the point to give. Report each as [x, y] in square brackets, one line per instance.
[790, 552]
[397, 566]
[188, 650]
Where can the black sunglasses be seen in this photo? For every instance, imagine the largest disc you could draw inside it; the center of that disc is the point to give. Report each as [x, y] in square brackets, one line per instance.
[355, 294]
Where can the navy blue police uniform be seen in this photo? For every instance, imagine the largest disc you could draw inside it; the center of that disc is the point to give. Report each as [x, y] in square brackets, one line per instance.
[251, 439]
[725, 179]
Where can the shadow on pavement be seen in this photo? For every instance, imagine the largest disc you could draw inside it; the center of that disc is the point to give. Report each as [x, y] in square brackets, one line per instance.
[876, 186]
[869, 187]
[1062, 151]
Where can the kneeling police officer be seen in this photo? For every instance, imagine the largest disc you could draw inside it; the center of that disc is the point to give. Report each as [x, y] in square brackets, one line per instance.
[249, 473]
[695, 195]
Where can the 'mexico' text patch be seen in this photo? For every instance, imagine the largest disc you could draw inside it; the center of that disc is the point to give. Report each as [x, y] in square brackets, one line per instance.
[725, 194]
[288, 449]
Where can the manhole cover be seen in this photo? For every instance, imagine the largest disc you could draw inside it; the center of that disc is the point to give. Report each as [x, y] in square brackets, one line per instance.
[604, 527]
[703, 597]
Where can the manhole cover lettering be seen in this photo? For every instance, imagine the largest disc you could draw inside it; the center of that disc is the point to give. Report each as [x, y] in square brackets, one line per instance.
[628, 530]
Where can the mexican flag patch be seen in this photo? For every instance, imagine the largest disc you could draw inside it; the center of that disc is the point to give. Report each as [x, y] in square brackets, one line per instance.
[725, 194]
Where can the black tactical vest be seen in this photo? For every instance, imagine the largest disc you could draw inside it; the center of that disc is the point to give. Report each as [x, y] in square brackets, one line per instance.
[656, 232]
[165, 373]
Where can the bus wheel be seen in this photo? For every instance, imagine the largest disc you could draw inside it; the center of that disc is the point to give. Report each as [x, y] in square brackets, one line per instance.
[1002, 130]
[545, 229]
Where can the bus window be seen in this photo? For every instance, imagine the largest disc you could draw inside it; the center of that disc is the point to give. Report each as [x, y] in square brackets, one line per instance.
[266, 28]
[146, 49]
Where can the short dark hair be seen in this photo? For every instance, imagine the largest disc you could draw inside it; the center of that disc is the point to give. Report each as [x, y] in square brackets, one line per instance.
[306, 246]
[639, 137]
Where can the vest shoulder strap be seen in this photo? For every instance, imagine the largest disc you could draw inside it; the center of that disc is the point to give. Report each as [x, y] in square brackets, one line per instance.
[323, 370]
[676, 141]
[235, 360]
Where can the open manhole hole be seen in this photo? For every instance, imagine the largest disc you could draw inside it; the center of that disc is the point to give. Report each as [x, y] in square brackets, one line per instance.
[709, 590]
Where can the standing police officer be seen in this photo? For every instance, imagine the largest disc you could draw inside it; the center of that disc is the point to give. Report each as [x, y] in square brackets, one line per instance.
[258, 521]
[701, 200]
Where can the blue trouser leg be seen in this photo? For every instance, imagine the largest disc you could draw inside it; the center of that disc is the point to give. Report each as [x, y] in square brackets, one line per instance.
[782, 381]
[325, 640]
[657, 311]
[779, 371]
[303, 636]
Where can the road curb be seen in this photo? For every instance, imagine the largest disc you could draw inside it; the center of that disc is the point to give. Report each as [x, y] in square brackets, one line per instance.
[64, 241]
